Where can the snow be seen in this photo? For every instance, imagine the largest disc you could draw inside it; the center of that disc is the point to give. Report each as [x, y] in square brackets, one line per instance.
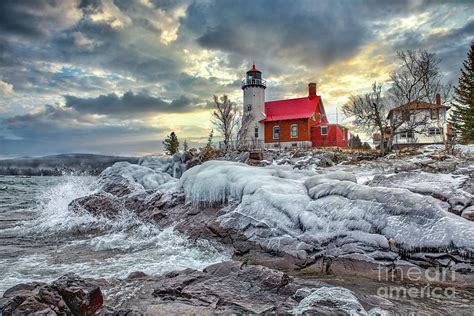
[280, 208]
[465, 150]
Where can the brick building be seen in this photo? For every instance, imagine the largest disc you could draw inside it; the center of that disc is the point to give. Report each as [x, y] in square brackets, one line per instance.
[300, 122]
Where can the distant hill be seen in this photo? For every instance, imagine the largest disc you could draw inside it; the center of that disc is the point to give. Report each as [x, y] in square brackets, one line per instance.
[56, 165]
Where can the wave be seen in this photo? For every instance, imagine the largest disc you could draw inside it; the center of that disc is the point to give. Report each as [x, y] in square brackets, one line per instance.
[94, 246]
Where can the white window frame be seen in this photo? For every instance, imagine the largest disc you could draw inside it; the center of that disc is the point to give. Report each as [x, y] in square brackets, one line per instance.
[406, 133]
[324, 134]
[434, 131]
[279, 131]
[291, 131]
[256, 131]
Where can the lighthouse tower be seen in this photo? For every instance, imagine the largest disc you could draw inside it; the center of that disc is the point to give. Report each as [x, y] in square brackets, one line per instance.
[254, 107]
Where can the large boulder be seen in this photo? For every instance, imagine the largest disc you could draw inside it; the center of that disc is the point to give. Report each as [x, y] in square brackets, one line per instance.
[69, 295]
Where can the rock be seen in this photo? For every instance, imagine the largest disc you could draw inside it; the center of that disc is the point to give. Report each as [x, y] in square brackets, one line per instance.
[81, 296]
[99, 204]
[228, 287]
[69, 295]
[468, 213]
[320, 221]
[328, 300]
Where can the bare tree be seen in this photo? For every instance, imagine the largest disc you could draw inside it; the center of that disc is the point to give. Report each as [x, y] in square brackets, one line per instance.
[225, 117]
[416, 80]
[243, 127]
[369, 112]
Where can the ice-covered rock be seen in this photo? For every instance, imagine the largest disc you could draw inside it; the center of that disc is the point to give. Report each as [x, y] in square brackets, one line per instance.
[140, 176]
[328, 300]
[173, 165]
[451, 188]
[468, 213]
[322, 207]
[314, 220]
[308, 216]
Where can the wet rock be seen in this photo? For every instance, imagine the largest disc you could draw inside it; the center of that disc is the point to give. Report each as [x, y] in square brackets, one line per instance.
[227, 287]
[69, 295]
[98, 204]
[80, 295]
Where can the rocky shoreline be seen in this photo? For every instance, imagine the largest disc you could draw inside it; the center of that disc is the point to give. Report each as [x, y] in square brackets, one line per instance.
[289, 221]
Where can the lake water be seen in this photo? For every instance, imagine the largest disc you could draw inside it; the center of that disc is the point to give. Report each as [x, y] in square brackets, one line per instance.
[40, 239]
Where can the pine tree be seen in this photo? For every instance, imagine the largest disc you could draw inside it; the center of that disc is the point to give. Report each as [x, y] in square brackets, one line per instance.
[209, 139]
[171, 144]
[185, 145]
[355, 142]
[462, 114]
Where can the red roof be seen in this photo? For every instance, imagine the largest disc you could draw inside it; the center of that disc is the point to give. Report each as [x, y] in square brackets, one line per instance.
[299, 108]
[253, 69]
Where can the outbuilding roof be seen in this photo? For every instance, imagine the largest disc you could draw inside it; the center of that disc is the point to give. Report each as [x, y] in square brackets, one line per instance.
[417, 105]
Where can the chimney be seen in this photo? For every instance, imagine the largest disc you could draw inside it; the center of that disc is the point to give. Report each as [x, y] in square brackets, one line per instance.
[438, 99]
[312, 90]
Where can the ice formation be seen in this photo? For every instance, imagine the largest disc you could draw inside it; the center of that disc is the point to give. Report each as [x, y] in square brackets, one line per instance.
[173, 165]
[279, 207]
[140, 176]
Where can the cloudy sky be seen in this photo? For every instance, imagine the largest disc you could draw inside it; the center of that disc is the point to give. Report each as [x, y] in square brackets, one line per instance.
[116, 76]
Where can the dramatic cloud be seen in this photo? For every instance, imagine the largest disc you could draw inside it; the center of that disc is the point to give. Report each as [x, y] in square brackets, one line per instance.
[55, 129]
[36, 18]
[130, 104]
[123, 73]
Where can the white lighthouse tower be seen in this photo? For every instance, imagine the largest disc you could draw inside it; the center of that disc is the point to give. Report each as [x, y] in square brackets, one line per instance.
[254, 107]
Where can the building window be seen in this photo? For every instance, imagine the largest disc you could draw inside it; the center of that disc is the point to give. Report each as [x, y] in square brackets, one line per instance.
[276, 132]
[324, 130]
[294, 145]
[406, 134]
[249, 107]
[256, 131]
[343, 134]
[434, 114]
[294, 131]
[432, 131]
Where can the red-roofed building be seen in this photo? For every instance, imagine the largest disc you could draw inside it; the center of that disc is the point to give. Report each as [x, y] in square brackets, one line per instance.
[300, 122]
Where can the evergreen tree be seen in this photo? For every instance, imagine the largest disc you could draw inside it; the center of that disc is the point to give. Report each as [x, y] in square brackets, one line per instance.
[209, 139]
[185, 145]
[171, 144]
[365, 146]
[355, 142]
[462, 114]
